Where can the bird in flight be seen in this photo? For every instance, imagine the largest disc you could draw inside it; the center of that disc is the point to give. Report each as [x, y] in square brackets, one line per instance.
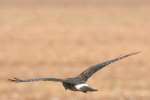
[78, 83]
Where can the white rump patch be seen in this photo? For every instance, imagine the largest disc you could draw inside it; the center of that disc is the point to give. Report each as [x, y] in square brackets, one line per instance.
[79, 86]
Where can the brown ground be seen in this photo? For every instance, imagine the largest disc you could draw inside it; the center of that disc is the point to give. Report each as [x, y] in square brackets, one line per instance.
[62, 40]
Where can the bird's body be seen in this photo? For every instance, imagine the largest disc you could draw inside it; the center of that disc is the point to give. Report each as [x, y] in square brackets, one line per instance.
[75, 84]
[78, 83]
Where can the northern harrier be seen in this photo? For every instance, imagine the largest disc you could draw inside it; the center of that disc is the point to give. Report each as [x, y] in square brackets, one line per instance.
[78, 83]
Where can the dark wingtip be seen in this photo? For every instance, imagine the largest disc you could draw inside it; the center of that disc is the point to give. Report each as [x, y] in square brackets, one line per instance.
[134, 53]
[137, 52]
[14, 80]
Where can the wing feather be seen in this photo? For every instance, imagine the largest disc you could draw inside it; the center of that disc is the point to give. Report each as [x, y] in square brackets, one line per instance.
[85, 75]
[35, 79]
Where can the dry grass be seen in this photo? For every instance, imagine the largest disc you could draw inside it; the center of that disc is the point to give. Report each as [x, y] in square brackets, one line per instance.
[62, 41]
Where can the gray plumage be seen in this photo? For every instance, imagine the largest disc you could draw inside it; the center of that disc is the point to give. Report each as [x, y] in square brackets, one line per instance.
[78, 83]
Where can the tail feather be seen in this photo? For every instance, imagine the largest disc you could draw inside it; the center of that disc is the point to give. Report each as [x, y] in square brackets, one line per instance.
[88, 89]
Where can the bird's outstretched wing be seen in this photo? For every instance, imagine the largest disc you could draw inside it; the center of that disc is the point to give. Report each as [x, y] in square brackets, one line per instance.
[85, 75]
[17, 80]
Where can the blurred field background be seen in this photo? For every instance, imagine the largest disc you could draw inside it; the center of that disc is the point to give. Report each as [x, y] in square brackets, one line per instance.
[40, 38]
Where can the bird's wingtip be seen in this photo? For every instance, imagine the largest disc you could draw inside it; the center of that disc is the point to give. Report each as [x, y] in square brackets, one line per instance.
[14, 79]
[134, 53]
[138, 52]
